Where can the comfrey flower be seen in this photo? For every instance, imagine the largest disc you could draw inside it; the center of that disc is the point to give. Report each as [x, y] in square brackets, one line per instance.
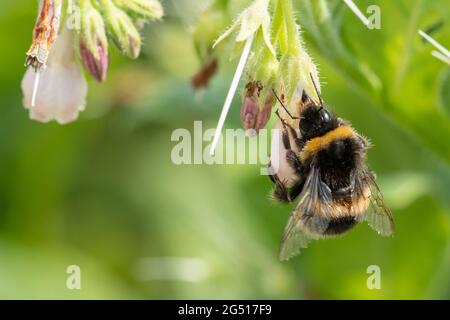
[278, 67]
[279, 64]
[253, 28]
[93, 41]
[260, 77]
[63, 88]
[208, 28]
[203, 76]
[146, 9]
[298, 74]
[255, 115]
[54, 87]
[122, 29]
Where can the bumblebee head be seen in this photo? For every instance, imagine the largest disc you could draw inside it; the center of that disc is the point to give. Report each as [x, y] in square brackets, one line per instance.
[315, 121]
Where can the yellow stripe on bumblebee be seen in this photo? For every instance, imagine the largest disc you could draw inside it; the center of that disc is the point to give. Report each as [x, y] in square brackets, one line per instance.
[320, 143]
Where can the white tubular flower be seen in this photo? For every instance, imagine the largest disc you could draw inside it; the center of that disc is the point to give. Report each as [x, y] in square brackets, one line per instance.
[63, 88]
[249, 22]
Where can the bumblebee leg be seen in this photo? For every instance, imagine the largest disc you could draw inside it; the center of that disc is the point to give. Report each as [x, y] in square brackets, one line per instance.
[295, 191]
[298, 142]
[294, 162]
[280, 193]
[291, 157]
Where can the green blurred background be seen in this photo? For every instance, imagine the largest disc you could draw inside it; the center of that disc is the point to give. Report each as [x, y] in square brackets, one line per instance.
[103, 194]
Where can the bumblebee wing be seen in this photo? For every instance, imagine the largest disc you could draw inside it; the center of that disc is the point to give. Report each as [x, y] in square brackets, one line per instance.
[297, 233]
[378, 216]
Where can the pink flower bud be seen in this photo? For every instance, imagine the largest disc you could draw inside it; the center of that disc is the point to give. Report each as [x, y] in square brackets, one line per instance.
[253, 115]
[201, 78]
[93, 41]
[97, 67]
[134, 46]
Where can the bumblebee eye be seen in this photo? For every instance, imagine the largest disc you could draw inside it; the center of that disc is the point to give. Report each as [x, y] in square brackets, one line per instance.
[325, 116]
[305, 125]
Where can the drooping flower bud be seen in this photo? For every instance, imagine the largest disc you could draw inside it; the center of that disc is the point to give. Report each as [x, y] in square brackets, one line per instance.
[203, 76]
[208, 28]
[298, 74]
[254, 114]
[97, 67]
[147, 9]
[122, 29]
[93, 41]
[258, 95]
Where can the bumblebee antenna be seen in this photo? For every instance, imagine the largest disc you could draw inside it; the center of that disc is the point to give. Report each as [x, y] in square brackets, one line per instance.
[317, 89]
[284, 107]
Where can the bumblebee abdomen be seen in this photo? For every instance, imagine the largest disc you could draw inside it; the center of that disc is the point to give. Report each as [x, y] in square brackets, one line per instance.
[326, 226]
[328, 217]
[340, 225]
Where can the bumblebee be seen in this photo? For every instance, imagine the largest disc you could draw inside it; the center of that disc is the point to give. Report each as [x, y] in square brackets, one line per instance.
[334, 187]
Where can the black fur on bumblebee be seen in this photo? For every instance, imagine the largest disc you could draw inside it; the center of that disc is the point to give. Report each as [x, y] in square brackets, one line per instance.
[334, 187]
